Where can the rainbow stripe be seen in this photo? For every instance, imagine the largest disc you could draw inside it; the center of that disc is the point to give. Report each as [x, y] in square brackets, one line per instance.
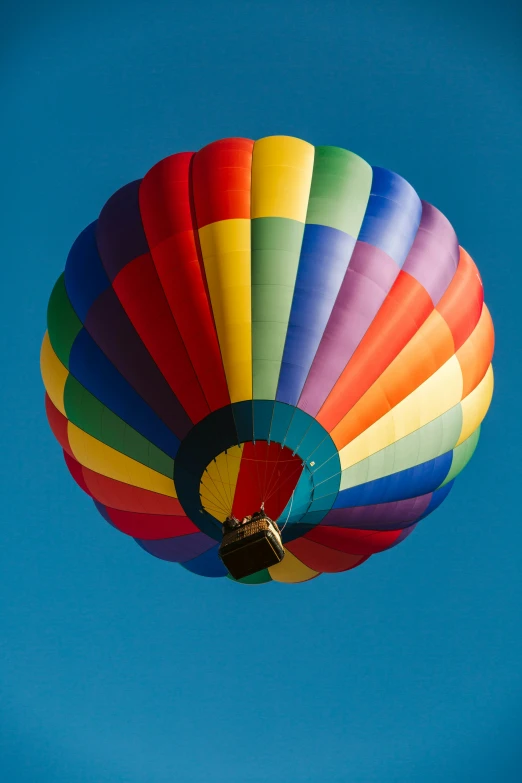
[268, 314]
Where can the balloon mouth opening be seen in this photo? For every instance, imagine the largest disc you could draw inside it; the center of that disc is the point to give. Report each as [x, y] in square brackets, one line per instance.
[244, 479]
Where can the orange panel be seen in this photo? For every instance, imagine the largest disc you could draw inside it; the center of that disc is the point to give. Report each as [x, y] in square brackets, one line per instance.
[461, 305]
[476, 353]
[403, 312]
[424, 354]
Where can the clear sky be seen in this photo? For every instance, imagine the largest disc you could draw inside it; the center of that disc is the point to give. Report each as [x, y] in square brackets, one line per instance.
[119, 668]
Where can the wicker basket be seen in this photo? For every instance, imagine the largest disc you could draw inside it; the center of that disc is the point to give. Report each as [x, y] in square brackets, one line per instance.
[252, 547]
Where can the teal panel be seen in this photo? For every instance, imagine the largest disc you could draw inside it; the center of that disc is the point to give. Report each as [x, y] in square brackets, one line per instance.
[299, 426]
[263, 412]
[244, 421]
[324, 452]
[331, 467]
[281, 419]
[312, 440]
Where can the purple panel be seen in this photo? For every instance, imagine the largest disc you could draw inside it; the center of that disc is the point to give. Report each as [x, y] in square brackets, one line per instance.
[369, 277]
[434, 255]
[119, 232]
[382, 516]
[110, 328]
[180, 549]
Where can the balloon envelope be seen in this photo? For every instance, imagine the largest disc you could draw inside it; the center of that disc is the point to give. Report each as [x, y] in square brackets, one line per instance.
[268, 322]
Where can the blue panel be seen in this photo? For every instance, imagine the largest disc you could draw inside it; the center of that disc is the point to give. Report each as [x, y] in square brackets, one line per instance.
[85, 277]
[392, 216]
[325, 255]
[281, 419]
[207, 564]
[103, 511]
[263, 412]
[409, 483]
[89, 365]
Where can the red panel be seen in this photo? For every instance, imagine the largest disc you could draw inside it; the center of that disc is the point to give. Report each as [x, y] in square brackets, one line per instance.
[58, 423]
[151, 526]
[116, 494]
[461, 305]
[139, 290]
[165, 205]
[167, 215]
[321, 558]
[402, 313]
[267, 473]
[76, 471]
[221, 178]
[356, 542]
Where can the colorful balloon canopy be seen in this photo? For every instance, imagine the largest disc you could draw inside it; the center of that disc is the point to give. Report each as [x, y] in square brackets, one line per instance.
[268, 321]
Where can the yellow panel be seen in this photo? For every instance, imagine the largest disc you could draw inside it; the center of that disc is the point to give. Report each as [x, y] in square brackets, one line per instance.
[102, 459]
[218, 483]
[225, 247]
[54, 374]
[475, 406]
[213, 486]
[281, 177]
[290, 569]
[431, 399]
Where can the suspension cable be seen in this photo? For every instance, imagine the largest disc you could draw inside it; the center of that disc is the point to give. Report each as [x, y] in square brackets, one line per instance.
[289, 512]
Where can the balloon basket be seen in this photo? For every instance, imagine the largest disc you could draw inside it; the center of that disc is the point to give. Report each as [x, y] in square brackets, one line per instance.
[252, 547]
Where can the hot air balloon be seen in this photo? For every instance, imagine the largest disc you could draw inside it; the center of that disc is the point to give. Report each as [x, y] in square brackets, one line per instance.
[273, 329]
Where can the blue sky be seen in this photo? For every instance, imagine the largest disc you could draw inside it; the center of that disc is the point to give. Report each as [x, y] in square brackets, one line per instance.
[115, 666]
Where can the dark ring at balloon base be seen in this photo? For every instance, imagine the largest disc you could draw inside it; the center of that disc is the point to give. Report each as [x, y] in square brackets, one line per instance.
[274, 422]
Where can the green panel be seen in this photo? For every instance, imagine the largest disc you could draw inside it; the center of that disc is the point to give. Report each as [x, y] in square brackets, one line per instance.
[276, 248]
[340, 190]
[436, 438]
[462, 455]
[254, 579]
[62, 322]
[91, 416]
